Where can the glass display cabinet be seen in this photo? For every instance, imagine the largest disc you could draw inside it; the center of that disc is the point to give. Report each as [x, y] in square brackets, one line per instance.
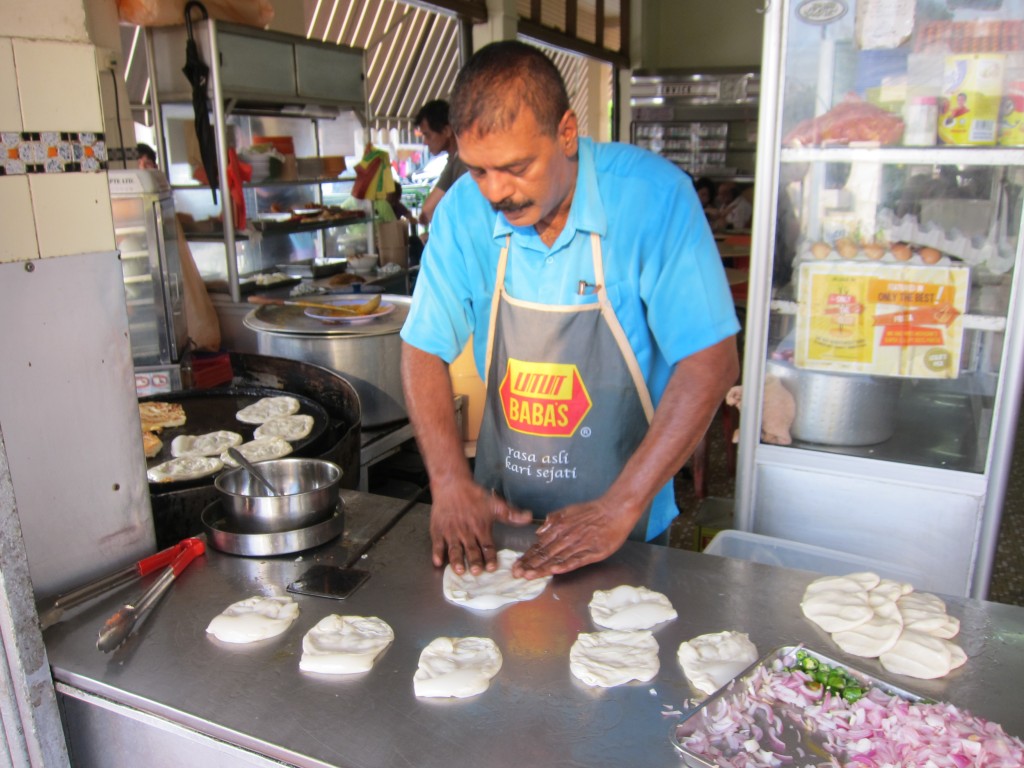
[883, 348]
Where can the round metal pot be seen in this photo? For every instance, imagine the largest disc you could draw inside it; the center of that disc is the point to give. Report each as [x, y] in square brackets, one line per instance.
[368, 355]
[308, 491]
[840, 408]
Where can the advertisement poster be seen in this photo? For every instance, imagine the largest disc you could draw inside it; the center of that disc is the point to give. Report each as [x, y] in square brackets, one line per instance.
[881, 319]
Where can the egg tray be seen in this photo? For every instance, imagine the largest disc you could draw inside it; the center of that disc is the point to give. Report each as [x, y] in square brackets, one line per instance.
[802, 744]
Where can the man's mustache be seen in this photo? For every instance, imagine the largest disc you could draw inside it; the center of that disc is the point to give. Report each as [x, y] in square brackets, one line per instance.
[510, 206]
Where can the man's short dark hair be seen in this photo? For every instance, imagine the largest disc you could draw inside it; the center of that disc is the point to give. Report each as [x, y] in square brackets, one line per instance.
[145, 150]
[499, 79]
[435, 113]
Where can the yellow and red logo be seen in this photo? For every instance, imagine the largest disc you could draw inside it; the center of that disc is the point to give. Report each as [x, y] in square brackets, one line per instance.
[545, 399]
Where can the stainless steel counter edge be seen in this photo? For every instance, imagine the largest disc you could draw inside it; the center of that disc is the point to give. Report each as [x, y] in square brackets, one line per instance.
[534, 712]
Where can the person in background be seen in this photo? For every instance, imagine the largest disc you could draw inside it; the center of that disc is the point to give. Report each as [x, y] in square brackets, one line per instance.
[734, 209]
[705, 191]
[395, 201]
[402, 213]
[590, 282]
[200, 315]
[147, 157]
[432, 122]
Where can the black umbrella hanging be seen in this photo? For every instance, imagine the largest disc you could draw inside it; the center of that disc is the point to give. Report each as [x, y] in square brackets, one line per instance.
[198, 75]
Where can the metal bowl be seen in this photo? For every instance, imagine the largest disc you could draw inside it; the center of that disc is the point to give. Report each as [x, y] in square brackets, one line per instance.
[840, 408]
[308, 489]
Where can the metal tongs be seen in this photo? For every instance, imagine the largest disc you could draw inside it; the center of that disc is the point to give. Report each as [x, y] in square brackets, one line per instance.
[119, 626]
[51, 610]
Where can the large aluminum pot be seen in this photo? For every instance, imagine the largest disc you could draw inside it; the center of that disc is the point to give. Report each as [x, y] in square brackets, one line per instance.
[367, 354]
[839, 408]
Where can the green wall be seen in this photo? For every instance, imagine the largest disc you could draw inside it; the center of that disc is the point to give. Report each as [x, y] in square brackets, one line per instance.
[700, 33]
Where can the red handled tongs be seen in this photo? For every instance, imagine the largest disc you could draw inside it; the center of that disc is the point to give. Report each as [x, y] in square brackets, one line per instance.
[52, 609]
[119, 626]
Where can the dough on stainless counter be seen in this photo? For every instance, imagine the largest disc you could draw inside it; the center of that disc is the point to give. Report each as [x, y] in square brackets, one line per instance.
[456, 667]
[627, 607]
[614, 656]
[712, 660]
[254, 619]
[491, 589]
[345, 645]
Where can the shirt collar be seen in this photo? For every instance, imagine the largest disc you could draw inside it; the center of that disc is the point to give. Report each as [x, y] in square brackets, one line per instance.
[587, 211]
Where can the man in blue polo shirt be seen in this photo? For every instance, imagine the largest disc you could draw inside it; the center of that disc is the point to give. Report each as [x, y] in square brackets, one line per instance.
[601, 320]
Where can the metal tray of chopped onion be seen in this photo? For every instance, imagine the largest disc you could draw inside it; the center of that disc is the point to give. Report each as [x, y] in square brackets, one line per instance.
[769, 716]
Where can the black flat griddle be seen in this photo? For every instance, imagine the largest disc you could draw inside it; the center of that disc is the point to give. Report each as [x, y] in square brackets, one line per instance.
[210, 410]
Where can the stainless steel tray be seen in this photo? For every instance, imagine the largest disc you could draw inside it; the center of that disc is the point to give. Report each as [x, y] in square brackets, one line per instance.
[222, 537]
[314, 268]
[802, 744]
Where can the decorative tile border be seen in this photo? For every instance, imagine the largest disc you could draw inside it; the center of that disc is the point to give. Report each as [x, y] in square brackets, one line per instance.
[52, 152]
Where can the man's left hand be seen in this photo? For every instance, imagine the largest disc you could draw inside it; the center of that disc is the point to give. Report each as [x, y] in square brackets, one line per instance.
[573, 537]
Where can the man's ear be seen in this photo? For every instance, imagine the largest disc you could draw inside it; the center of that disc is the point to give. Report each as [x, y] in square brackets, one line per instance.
[569, 134]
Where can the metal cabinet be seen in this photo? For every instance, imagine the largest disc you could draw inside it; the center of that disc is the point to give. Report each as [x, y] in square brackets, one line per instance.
[703, 121]
[265, 90]
[882, 317]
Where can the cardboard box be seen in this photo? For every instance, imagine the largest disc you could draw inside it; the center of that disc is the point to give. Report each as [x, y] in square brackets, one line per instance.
[393, 243]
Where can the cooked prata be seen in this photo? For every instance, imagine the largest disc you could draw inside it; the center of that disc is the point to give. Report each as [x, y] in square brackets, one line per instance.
[157, 415]
[210, 444]
[184, 468]
[260, 449]
[291, 428]
[267, 408]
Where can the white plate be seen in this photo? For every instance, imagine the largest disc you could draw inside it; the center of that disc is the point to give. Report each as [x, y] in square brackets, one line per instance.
[383, 309]
[273, 216]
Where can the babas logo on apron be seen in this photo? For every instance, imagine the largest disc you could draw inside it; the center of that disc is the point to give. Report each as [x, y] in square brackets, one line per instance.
[545, 399]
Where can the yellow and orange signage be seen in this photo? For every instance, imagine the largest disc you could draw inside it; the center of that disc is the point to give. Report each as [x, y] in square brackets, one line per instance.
[546, 399]
[883, 319]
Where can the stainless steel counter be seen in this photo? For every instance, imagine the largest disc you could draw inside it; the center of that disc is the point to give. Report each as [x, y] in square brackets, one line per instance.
[254, 699]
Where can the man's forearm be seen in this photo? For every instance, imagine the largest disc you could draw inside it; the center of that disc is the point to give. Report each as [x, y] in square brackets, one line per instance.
[430, 400]
[691, 399]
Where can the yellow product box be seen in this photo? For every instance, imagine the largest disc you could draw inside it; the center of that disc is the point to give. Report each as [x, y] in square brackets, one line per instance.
[1011, 115]
[972, 89]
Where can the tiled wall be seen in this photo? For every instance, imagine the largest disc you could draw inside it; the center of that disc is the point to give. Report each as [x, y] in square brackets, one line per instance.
[54, 199]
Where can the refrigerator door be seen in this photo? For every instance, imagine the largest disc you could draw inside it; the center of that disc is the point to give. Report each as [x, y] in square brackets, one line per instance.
[170, 276]
[146, 237]
[881, 311]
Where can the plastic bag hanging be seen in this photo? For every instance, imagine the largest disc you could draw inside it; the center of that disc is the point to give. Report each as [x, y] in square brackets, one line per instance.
[198, 75]
[373, 175]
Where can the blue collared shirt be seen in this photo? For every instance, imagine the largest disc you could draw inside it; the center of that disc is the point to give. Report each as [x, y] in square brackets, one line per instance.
[663, 271]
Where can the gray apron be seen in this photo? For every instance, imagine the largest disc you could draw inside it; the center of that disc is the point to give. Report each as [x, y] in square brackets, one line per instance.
[566, 404]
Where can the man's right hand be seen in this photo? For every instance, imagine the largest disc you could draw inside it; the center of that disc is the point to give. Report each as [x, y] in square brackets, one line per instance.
[461, 518]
